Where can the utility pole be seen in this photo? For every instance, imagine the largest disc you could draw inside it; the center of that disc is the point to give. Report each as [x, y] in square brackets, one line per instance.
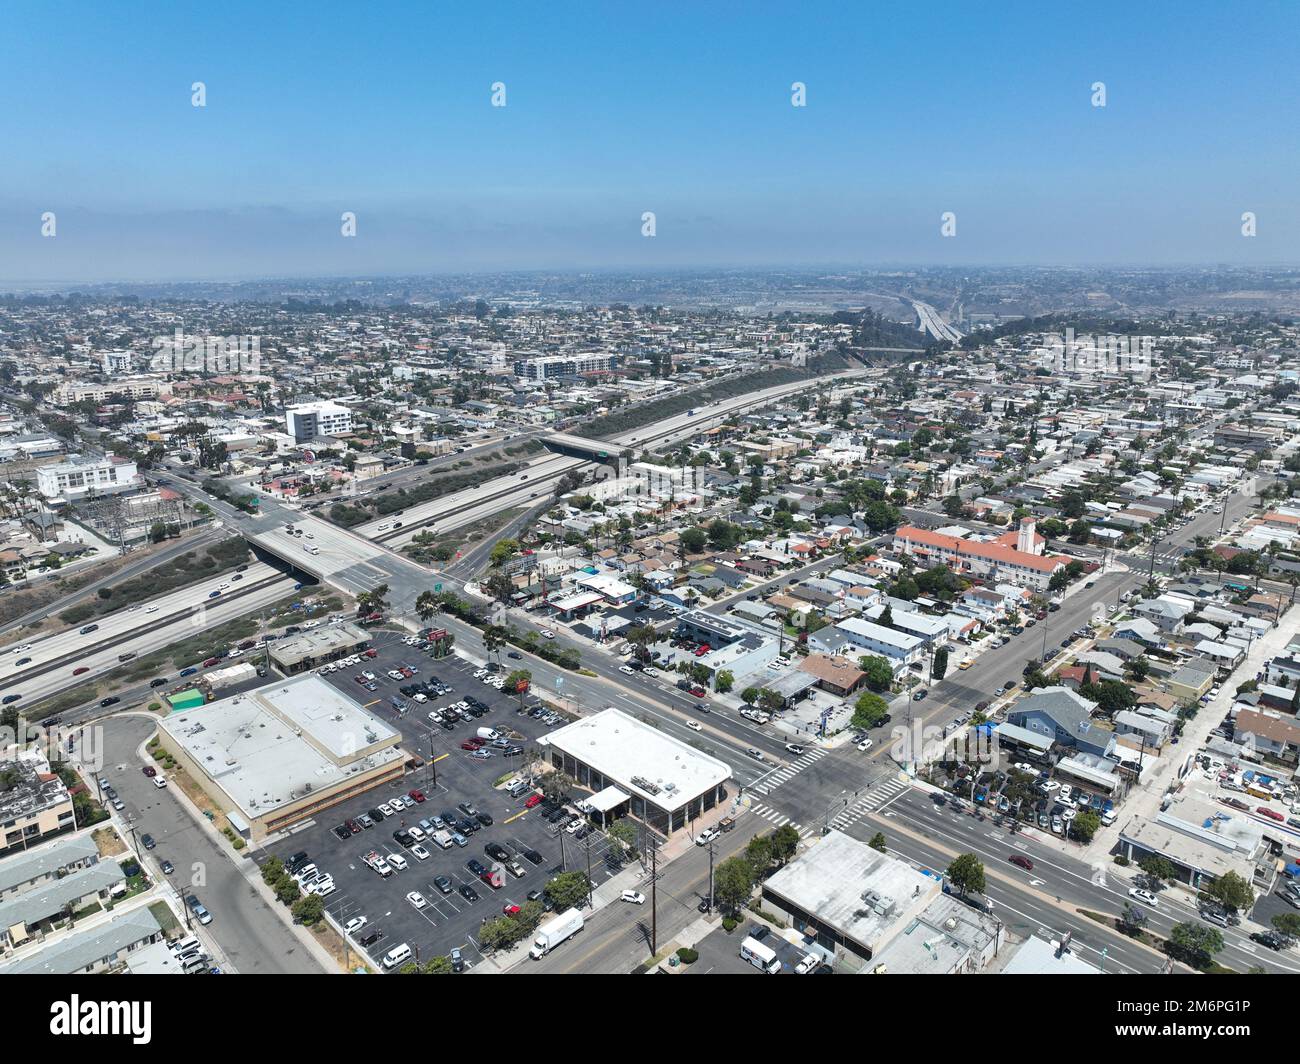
[710, 897]
[590, 900]
[654, 899]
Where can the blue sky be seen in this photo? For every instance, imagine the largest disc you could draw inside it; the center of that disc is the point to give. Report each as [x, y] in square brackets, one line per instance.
[619, 108]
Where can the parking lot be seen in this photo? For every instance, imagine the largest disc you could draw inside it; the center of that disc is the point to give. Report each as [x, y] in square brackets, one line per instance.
[456, 906]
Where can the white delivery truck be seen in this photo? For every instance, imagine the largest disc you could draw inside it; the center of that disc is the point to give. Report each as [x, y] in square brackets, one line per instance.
[490, 734]
[760, 956]
[555, 931]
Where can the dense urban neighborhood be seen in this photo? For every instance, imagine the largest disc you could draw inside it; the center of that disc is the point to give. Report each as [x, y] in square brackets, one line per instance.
[888, 640]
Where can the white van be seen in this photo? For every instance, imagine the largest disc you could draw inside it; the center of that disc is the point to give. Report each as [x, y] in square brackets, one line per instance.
[760, 956]
[489, 734]
[397, 955]
[397, 861]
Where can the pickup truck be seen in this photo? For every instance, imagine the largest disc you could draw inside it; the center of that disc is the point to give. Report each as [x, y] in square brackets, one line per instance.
[375, 861]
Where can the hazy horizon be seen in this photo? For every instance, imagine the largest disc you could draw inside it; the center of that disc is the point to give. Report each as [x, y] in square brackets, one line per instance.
[614, 112]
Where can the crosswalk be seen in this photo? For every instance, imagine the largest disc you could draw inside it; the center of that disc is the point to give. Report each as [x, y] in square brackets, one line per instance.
[778, 819]
[871, 801]
[774, 779]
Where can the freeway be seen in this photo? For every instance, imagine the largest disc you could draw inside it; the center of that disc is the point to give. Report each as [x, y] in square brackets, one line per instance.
[132, 632]
[933, 323]
[141, 565]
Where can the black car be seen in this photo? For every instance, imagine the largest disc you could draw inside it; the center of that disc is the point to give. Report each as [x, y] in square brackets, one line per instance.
[532, 856]
[535, 895]
[167, 867]
[147, 842]
[467, 892]
[296, 862]
[371, 939]
[466, 826]
[377, 814]
[158, 682]
[484, 818]
[403, 838]
[496, 851]
[1271, 939]
[476, 866]
[515, 655]
[757, 932]
[342, 831]
[443, 884]
[112, 700]
[920, 695]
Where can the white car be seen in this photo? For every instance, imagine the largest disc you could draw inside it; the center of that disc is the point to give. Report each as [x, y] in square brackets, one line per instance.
[386, 808]
[480, 673]
[421, 854]
[547, 634]
[1144, 896]
[635, 897]
[355, 924]
[575, 826]
[383, 528]
[420, 697]
[324, 888]
[367, 674]
[627, 670]
[1049, 786]
[706, 836]
[694, 725]
[159, 782]
[416, 899]
[866, 745]
[650, 670]
[396, 860]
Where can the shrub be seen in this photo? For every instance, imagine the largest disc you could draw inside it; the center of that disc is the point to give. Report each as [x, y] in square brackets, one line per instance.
[1121, 860]
[687, 955]
[729, 924]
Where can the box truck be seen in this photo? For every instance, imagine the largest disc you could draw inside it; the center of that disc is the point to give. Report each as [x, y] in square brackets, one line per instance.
[553, 932]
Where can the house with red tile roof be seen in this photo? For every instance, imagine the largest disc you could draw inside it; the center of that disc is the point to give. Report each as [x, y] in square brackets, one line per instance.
[988, 560]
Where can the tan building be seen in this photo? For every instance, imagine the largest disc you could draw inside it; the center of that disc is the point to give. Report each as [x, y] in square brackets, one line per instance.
[282, 753]
[36, 805]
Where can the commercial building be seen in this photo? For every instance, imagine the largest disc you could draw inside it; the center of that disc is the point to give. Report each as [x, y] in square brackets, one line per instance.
[82, 477]
[36, 806]
[284, 752]
[319, 646]
[555, 366]
[665, 783]
[851, 898]
[310, 421]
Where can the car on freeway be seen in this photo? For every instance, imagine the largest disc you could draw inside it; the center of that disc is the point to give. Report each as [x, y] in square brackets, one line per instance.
[111, 700]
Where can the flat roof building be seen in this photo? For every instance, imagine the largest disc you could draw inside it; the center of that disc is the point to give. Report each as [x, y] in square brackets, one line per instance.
[319, 645]
[669, 783]
[283, 752]
[849, 896]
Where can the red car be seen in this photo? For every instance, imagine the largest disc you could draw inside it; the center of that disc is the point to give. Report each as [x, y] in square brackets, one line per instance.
[78, 671]
[1020, 861]
[150, 771]
[210, 662]
[470, 744]
[1272, 814]
[533, 799]
[510, 910]
[699, 692]
[372, 653]
[417, 795]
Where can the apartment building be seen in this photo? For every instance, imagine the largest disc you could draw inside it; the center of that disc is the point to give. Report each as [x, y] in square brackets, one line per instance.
[554, 366]
[309, 421]
[126, 388]
[996, 560]
[36, 806]
[79, 478]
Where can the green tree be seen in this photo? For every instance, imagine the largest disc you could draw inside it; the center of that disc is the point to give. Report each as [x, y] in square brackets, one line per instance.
[878, 842]
[966, 873]
[308, 909]
[623, 835]
[785, 842]
[1085, 826]
[940, 664]
[1132, 919]
[501, 933]
[733, 882]
[502, 549]
[869, 710]
[759, 855]
[556, 786]
[1157, 868]
[1194, 943]
[1287, 924]
[1231, 891]
[567, 890]
[879, 674]
[693, 540]
[723, 680]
